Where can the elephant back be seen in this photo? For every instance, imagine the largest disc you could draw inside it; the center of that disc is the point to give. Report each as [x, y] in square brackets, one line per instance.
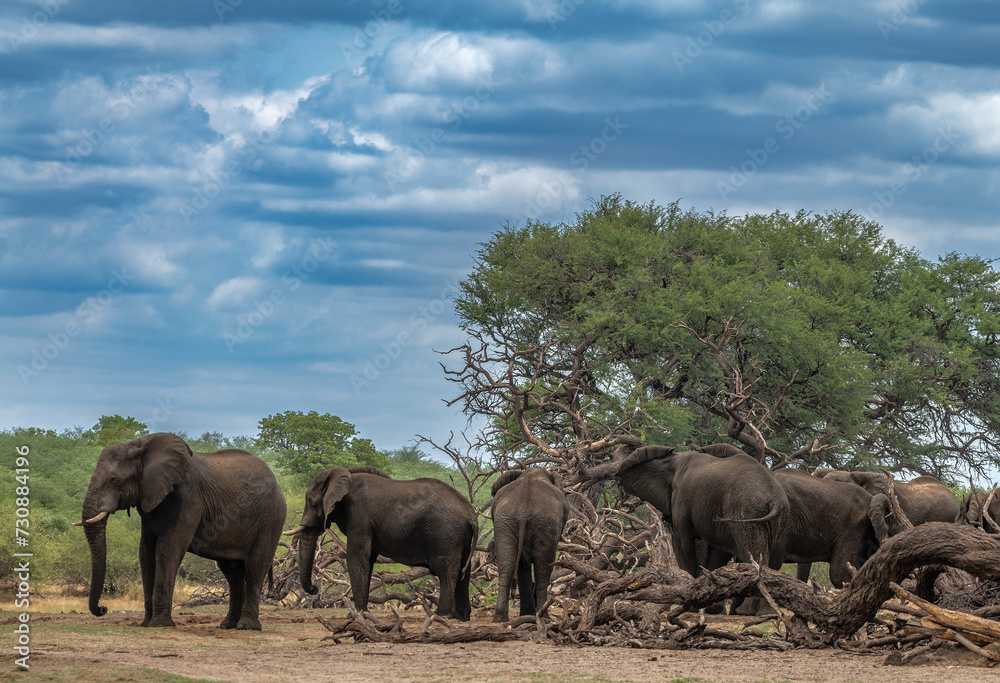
[504, 479]
[643, 455]
[368, 469]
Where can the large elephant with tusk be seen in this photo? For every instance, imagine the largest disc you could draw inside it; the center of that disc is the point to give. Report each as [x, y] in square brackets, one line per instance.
[225, 506]
[422, 523]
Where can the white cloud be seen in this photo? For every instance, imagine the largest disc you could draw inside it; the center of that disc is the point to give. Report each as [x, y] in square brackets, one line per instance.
[973, 117]
[444, 59]
[234, 292]
[247, 114]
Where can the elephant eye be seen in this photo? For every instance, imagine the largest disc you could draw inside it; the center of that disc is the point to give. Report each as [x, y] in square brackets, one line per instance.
[113, 481]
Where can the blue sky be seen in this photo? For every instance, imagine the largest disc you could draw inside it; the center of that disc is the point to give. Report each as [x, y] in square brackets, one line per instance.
[214, 211]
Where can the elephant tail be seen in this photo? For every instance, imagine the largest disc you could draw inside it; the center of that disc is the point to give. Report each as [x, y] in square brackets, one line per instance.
[466, 570]
[776, 509]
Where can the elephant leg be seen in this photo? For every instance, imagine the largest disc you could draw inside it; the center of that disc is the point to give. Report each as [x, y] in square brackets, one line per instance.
[359, 568]
[715, 558]
[802, 571]
[543, 576]
[447, 570]
[147, 566]
[525, 586]
[169, 554]
[505, 576]
[254, 576]
[684, 547]
[233, 571]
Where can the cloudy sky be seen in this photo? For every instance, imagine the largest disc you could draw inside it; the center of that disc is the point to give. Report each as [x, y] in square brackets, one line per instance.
[216, 210]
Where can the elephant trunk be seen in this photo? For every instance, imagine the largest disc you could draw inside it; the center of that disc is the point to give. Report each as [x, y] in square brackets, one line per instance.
[96, 539]
[877, 512]
[307, 555]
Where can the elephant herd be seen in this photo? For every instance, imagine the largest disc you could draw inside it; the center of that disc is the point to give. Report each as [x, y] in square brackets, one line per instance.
[740, 508]
[227, 506]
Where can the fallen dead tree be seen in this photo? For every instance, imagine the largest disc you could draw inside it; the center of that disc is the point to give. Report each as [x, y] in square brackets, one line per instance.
[644, 608]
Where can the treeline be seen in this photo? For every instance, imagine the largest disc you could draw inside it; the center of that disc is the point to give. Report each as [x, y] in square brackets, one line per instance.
[295, 445]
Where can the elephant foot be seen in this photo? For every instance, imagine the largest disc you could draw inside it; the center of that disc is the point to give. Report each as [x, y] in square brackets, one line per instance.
[500, 618]
[716, 608]
[246, 624]
[229, 622]
[161, 622]
[753, 607]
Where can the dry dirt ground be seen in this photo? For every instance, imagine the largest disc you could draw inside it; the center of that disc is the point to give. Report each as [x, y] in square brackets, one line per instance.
[81, 647]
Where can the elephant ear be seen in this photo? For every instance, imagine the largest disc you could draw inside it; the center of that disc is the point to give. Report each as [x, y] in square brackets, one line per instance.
[504, 479]
[338, 485]
[971, 512]
[555, 479]
[870, 482]
[648, 474]
[165, 460]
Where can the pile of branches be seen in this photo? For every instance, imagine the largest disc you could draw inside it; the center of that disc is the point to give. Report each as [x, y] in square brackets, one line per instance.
[659, 606]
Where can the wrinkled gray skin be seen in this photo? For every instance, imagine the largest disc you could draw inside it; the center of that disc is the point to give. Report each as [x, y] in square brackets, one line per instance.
[924, 499]
[735, 504]
[529, 512]
[225, 506]
[828, 522]
[971, 511]
[422, 523]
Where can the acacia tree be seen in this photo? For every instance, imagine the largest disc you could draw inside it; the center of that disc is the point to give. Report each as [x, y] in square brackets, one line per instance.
[308, 443]
[798, 336]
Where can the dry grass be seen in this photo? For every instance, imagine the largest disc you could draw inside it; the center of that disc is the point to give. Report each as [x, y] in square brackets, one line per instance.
[62, 599]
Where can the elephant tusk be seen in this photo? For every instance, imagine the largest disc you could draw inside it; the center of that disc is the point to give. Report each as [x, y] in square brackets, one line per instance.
[96, 518]
[291, 532]
[77, 523]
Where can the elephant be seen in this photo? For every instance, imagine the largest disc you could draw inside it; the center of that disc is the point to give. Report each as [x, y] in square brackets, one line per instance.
[529, 512]
[735, 504]
[980, 509]
[828, 522]
[225, 506]
[421, 522]
[924, 499]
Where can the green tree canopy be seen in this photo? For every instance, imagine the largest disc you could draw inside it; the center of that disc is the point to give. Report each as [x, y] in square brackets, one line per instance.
[806, 336]
[309, 443]
[114, 429]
